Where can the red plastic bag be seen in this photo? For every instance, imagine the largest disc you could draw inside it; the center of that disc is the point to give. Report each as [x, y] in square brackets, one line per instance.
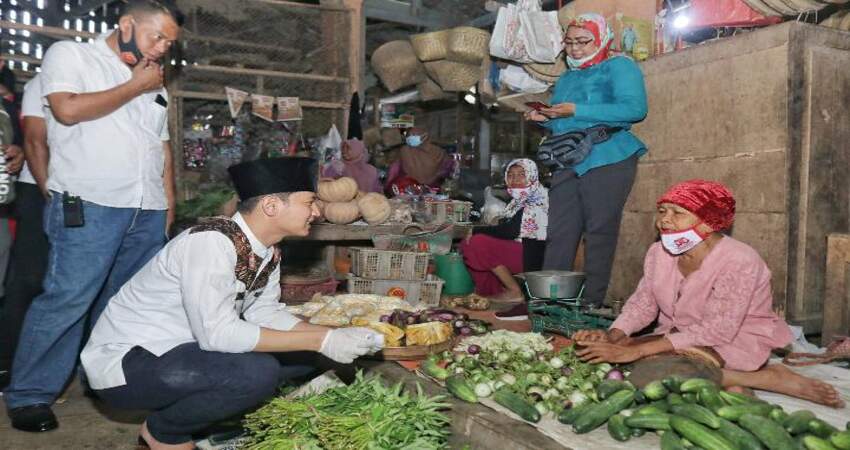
[726, 13]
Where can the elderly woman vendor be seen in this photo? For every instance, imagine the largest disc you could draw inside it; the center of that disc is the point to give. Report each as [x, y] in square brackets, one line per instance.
[516, 244]
[708, 291]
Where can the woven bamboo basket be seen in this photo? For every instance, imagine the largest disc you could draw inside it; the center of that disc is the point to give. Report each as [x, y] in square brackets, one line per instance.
[430, 90]
[457, 77]
[431, 46]
[433, 69]
[468, 45]
[762, 8]
[396, 65]
[372, 137]
[566, 15]
[548, 73]
[391, 137]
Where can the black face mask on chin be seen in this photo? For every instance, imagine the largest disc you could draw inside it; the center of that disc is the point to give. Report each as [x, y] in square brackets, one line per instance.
[129, 51]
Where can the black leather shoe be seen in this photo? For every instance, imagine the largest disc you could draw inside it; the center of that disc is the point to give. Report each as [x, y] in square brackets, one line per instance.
[33, 418]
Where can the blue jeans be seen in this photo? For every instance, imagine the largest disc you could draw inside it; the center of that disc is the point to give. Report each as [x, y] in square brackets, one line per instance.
[86, 266]
[188, 389]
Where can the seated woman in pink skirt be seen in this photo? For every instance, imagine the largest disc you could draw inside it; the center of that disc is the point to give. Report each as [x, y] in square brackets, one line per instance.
[493, 254]
[709, 292]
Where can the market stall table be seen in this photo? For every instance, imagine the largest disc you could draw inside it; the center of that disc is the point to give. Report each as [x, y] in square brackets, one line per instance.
[361, 234]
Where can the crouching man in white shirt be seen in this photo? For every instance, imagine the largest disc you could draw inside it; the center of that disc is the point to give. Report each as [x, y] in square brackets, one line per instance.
[188, 336]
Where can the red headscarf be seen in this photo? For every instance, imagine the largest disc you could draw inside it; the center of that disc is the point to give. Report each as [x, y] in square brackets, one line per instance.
[603, 36]
[711, 201]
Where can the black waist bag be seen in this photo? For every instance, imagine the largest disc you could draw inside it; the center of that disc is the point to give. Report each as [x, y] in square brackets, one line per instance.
[564, 151]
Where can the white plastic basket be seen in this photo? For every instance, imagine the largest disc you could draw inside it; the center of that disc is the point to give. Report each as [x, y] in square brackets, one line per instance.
[418, 293]
[377, 264]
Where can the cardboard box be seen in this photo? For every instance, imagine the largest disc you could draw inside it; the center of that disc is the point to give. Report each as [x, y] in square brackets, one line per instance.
[633, 22]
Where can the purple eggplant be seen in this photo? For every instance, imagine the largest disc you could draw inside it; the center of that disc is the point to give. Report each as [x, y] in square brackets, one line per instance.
[445, 317]
[466, 331]
[385, 318]
[459, 324]
[473, 349]
[614, 374]
[411, 320]
[397, 319]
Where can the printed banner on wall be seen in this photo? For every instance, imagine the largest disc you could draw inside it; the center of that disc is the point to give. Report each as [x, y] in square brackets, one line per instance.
[235, 100]
[288, 108]
[262, 106]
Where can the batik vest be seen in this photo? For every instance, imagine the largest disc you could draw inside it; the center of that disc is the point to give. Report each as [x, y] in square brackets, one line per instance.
[247, 262]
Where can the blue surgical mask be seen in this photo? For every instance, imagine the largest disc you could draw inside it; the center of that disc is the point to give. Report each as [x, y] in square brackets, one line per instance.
[414, 140]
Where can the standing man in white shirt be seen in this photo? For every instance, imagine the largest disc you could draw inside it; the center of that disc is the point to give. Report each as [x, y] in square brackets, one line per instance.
[110, 181]
[188, 336]
[29, 250]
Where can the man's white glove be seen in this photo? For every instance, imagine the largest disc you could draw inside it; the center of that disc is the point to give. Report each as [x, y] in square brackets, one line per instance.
[344, 345]
[374, 339]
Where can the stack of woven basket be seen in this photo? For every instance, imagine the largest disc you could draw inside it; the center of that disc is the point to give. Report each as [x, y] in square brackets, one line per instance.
[839, 20]
[789, 7]
[453, 59]
[396, 65]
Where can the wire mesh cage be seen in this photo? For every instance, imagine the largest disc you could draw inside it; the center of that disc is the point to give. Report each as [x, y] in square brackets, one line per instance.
[263, 47]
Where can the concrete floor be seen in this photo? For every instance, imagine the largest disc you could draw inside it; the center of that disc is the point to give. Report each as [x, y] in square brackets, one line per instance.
[83, 424]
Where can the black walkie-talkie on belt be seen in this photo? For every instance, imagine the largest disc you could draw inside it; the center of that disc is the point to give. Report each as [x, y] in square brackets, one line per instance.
[72, 210]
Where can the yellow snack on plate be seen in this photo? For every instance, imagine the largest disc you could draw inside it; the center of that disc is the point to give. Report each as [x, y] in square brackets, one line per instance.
[392, 334]
[360, 321]
[428, 333]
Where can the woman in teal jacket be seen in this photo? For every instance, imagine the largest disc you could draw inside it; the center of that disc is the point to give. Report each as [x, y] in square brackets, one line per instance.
[587, 199]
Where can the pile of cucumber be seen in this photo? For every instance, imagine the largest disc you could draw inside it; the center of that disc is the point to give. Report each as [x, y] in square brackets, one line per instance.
[695, 413]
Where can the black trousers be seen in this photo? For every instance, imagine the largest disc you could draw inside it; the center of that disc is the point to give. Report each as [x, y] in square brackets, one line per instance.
[188, 389]
[27, 265]
[590, 206]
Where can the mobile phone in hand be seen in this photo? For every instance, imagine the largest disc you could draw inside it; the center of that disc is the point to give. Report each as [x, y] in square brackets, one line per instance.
[537, 106]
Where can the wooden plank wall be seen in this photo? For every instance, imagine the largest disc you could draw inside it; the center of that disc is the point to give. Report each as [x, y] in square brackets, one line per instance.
[836, 307]
[765, 113]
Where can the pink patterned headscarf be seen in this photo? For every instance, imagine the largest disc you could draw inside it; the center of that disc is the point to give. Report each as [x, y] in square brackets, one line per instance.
[603, 36]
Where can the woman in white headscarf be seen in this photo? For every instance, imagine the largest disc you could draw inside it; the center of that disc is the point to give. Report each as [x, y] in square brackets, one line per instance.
[516, 244]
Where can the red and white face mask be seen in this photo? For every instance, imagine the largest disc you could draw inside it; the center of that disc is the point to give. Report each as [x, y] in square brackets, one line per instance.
[678, 242]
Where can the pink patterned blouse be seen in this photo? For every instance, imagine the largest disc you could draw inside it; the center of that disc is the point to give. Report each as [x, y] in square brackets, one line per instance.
[725, 305]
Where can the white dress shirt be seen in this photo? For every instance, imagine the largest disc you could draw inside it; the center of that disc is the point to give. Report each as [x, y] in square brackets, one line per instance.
[186, 293]
[116, 160]
[32, 105]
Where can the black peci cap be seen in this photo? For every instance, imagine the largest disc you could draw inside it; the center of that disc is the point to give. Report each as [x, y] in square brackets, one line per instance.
[273, 176]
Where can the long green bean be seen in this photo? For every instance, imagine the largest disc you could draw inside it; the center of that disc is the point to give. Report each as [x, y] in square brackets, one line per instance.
[364, 415]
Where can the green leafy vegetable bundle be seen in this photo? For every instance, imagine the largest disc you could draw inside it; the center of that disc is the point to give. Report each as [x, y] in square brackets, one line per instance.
[364, 415]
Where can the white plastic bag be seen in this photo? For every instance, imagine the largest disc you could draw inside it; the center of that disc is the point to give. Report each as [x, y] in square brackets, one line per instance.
[508, 39]
[505, 16]
[493, 208]
[542, 35]
[517, 79]
[331, 145]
